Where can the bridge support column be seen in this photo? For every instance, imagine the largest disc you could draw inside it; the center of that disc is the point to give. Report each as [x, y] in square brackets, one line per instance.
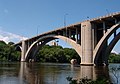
[76, 35]
[23, 51]
[86, 43]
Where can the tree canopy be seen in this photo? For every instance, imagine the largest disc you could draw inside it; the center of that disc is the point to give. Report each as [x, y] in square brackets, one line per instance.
[56, 54]
[47, 53]
[8, 52]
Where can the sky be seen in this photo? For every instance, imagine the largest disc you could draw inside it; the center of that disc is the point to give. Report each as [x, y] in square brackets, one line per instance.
[21, 19]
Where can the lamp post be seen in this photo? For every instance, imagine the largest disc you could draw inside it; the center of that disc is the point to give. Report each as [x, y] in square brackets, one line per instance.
[65, 23]
[37, 29]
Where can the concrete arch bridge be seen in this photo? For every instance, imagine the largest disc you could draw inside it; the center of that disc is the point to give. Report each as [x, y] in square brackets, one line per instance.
[89, 38]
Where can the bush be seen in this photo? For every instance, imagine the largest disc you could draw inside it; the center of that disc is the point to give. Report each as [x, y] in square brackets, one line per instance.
[87, 81]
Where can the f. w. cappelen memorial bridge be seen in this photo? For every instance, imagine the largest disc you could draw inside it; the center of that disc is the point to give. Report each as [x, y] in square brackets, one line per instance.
[89, 38]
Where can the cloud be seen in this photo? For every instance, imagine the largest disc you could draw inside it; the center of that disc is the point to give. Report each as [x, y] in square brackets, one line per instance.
[113, 51]
[10, 37]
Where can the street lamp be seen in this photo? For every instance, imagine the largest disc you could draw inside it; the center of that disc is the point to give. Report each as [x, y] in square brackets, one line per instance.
[65, 23]
[37, 29]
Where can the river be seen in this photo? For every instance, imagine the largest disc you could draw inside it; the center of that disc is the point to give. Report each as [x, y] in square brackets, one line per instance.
[52, 73]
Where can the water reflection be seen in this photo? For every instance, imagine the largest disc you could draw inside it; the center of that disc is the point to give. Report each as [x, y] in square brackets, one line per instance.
[87, 71]
[115, 73]
[47, 73]
[27, 72]
[93, 72]
[55, 73]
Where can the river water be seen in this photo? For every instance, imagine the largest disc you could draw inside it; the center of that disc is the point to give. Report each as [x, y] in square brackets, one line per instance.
[52, 73]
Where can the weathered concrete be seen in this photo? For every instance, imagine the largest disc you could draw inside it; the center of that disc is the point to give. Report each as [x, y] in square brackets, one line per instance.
[86, 43]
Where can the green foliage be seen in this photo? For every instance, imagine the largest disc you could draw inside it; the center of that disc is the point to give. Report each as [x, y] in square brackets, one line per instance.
[10, 43]
[56, 54]
[45, 54]
[87, 81]
[8, 52]
[114, 58]
[2, 43]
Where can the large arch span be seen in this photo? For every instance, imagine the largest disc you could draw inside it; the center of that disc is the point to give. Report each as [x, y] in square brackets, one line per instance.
[103, 41]
[111, 46]
[48, 38]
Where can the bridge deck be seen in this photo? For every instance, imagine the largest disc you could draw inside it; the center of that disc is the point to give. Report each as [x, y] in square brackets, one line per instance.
[99, 19]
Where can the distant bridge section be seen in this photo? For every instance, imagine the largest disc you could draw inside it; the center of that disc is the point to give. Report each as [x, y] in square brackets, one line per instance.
[89, 38]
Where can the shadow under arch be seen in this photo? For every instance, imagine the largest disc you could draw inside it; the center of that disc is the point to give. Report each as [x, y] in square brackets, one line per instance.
[102, 42]
[111, 46]
[35, 46]
[18, 48]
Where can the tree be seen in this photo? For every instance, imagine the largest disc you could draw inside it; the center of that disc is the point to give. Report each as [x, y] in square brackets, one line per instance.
[114, 58]
[56, 54]
[8, 52]
[11, 43]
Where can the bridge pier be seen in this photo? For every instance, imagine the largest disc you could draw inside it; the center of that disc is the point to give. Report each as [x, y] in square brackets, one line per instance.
[86, 43]
[23, 51]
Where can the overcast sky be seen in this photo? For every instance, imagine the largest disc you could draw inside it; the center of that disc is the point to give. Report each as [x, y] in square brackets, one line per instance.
[23, 18]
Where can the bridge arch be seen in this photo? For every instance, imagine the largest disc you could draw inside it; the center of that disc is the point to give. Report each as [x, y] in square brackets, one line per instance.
[102, 42]
[48, 38]
[111, 46]
[18, 48]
